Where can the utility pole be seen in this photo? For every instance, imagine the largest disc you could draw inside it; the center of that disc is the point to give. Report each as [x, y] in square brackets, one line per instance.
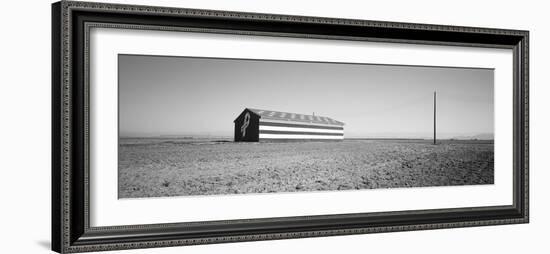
[434, 119]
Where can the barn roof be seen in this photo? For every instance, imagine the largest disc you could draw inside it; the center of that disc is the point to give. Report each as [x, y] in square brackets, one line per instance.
[294, 117]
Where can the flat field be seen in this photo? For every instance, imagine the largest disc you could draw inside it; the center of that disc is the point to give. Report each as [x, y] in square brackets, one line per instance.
[154, 167]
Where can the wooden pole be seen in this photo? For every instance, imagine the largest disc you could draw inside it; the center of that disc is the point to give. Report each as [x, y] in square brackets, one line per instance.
[434, 119]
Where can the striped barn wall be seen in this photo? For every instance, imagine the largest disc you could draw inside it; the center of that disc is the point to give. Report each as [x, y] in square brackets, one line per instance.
[270, 129]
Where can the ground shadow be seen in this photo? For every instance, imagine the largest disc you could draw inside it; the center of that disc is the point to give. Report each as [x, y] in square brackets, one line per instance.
[44, 244]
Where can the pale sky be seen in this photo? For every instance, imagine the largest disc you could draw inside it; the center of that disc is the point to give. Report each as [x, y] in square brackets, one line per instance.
[202, 96]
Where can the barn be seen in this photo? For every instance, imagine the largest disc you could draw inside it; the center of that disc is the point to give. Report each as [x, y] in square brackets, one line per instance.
[254, 125]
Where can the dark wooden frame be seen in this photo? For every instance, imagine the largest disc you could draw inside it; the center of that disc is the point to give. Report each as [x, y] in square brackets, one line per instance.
[71, 22]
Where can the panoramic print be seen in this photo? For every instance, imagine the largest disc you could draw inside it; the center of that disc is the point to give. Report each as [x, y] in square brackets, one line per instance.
[214, 126]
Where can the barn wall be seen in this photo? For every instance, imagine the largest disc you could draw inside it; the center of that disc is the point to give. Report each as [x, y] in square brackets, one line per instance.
[287, 130]
[251, 131]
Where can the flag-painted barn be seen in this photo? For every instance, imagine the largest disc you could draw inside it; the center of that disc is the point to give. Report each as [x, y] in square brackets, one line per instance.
[255, 125]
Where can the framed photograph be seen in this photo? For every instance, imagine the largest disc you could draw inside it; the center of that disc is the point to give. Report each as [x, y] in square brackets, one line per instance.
[181, 126]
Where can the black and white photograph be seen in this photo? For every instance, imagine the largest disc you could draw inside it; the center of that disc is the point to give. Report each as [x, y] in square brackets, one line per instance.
[234, 126]
[220, 126]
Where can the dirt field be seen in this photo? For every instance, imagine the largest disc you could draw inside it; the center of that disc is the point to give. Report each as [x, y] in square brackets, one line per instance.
[174, 167]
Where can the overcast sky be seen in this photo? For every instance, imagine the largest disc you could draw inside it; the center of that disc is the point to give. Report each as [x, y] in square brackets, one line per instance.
[202, 96]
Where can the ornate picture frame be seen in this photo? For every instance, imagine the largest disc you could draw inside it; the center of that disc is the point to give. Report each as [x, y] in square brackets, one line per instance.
[71, 24]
